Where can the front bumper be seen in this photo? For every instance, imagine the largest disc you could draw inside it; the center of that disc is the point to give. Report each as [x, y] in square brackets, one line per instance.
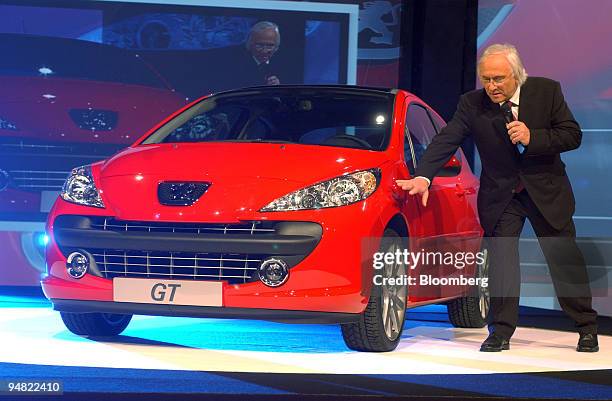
[284, 316]
[230, 252]
[328, 271]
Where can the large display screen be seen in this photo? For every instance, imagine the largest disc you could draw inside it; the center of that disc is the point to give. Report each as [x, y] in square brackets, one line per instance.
[81, 80]
[97, 75]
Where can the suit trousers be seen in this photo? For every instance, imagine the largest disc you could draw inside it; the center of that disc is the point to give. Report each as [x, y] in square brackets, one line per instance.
[565, 262]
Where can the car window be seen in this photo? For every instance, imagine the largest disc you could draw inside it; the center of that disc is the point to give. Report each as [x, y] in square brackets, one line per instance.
[420, 128]
[440, 123]
[408, 152]
[208, 126]
[357, 119]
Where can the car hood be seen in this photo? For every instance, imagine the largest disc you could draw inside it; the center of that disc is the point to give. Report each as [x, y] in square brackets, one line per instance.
[61, 108]
[300, 163]
[243, 177]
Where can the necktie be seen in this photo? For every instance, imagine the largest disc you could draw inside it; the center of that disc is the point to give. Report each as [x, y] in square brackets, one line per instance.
[506, 109]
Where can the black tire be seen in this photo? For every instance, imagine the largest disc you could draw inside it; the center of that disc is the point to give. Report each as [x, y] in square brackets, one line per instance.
[471, 311]
[369, 333]
[95, 324]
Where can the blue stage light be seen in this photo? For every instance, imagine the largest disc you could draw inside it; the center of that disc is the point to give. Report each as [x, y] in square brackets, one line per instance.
[41, 239]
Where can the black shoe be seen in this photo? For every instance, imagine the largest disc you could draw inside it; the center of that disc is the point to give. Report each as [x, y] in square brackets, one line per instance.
[494, 343]
[587, 343]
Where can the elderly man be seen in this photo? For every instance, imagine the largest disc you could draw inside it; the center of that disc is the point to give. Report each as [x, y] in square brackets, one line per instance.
[263, 41]
[520, 125]
[252, 63]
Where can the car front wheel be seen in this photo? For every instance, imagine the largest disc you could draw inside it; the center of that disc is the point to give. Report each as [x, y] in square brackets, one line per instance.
[95, 324]
[380, 325]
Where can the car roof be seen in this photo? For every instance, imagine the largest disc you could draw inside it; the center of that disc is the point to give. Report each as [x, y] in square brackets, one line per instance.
[274, 88]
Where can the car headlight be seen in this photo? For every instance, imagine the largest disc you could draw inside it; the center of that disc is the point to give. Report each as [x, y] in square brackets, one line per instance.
[80, 188]
[339, 191]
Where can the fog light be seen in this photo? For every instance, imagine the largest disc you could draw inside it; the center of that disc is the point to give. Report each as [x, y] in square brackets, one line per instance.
[273, 272]
[77, 264]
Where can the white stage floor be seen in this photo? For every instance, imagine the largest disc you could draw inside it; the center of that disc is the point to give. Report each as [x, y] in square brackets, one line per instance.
[36, 335]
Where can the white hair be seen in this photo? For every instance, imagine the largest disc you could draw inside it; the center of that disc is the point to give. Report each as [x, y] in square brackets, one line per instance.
[511, 55]
[260, 27]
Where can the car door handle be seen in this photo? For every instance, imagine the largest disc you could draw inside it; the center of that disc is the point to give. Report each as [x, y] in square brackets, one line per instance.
[459, 190]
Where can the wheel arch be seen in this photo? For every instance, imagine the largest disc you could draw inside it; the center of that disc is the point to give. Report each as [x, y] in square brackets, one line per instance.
[399, 225]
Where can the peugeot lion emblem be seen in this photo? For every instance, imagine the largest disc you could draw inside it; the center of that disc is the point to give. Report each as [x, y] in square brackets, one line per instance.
[180, 193]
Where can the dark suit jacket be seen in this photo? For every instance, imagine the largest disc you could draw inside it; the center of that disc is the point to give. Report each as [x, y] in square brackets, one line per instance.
[236, 68]
[553, 130]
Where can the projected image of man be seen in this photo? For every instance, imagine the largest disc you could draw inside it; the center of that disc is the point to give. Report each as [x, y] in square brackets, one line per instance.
[262, 43]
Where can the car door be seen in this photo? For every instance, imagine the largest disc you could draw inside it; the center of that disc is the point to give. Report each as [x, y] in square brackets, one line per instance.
[469, 232]
[441, 228]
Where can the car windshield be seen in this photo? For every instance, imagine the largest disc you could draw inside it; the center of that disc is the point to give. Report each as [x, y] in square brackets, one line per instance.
[49, 57]
[352, 118]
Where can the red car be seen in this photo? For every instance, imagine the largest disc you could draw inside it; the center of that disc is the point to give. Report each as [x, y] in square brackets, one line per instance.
[89, 100]
[63, 103]
[265, 203]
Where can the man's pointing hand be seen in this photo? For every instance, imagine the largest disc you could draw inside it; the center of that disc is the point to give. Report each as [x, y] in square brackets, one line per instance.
[417, 185]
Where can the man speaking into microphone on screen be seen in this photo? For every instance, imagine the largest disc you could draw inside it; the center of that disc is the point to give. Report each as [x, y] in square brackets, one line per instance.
[520, 126]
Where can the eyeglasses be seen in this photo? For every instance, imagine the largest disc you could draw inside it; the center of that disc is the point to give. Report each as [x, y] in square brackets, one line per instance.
[264, 46]
[498, 80]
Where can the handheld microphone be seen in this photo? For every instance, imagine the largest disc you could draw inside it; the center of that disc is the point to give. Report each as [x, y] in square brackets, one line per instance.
[507, 111]
[265, 70]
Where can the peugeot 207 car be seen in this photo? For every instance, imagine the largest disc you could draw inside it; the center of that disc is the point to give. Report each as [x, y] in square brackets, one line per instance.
[265, 203]
[89, 99]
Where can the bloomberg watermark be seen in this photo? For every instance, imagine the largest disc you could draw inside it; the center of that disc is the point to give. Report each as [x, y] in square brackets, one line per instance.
[422, 259]
[413, 259]
[448, 265]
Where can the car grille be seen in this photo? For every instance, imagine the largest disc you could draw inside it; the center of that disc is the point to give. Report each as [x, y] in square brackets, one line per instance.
[94, 119]
[35, 148]
[19, 147]
[36, 166]
[35, 180]
[234, 268]
[251, 228]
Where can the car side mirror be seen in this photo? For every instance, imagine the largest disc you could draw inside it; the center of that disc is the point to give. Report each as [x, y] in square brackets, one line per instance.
[451, 168]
